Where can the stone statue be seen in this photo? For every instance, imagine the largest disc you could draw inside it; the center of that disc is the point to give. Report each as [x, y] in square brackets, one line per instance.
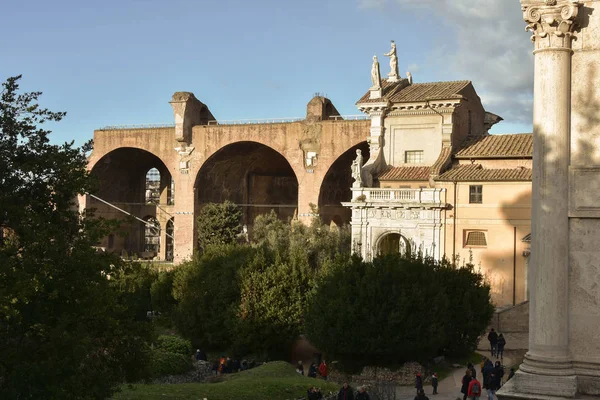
[393, 62]
[375, 74]
[357, 169]
[409, 77]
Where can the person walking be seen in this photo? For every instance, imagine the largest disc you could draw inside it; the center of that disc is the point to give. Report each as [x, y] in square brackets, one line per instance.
[495, 380]
[362, 394]
[434, 382]
[466, 380]
[345, 392]
[418, 382]
[488, 368]
[323, 369]
[500, 345]
[493, 339]
[474, 391]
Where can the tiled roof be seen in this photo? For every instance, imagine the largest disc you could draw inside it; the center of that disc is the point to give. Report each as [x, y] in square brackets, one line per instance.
[476, 173]
[401, 92]
[494, 146]
[405, 174]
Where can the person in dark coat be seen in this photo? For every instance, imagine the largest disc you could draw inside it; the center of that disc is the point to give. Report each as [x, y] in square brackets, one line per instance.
[488, 367]
[495, 380]
[473, 371]
[314, 394]
[418, 382]
[362, 394]
[421, 395]
[493, 339]
[345, 392]
[501, 343]
[312, 370]
[464, 389]
[434, 383]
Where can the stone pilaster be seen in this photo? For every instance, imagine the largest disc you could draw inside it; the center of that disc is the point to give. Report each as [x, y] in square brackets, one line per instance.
[375, 140]
[547, 369]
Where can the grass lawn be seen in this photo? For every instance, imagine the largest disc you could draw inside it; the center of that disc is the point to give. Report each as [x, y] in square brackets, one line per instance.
[273, 381]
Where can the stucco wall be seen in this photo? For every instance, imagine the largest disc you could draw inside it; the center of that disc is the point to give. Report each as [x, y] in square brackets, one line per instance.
[505, 206]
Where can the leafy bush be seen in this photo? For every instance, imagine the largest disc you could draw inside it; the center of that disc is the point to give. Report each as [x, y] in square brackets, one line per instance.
[166, 363]
[174, 344]
[161, 293]
[396, 309]
[219, 224]
[270, 314]
[207, 290]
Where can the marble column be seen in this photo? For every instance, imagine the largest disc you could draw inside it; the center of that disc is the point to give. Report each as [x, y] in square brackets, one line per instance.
[547, 369]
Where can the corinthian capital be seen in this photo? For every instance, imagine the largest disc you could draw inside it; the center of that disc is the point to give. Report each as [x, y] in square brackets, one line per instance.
[550, 21]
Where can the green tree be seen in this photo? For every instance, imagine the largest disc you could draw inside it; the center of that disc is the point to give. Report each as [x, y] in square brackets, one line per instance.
[395, 309]
[66, 331]
[219, 224]
[207, 290]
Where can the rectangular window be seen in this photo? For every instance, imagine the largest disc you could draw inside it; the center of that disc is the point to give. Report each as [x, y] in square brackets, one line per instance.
[475, 194]
[413, 157]
[475, 239]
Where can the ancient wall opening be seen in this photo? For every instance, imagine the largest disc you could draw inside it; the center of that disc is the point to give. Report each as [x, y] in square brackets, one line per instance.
[252, 175]
[139, 183]
[336, 187]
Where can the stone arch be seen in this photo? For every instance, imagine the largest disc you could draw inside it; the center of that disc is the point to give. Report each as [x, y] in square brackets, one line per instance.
[251, 174]
[336, 186]
[389, 241]
[121, 175]
[121, 180]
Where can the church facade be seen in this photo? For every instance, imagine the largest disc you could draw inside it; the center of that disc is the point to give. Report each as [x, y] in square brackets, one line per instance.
[438, 183]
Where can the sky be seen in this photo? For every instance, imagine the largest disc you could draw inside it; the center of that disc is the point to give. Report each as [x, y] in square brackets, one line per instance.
[119, 62]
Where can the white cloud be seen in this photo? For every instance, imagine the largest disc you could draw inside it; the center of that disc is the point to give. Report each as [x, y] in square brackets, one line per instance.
[492, 50]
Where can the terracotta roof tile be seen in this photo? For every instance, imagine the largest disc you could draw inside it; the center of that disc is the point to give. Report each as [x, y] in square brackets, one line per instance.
[497, 146]
[476, 173]
[405, 174]
[401, 92]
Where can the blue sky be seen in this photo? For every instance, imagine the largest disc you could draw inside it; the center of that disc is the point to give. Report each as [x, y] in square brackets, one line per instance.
[119, 62]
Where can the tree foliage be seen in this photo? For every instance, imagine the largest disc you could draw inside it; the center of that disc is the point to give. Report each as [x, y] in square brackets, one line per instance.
[397, 309]
[219, 224]
[66, 331]
[207, 290]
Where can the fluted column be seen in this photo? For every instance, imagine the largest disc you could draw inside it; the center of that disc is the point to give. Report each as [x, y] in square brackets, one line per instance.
[547, 368]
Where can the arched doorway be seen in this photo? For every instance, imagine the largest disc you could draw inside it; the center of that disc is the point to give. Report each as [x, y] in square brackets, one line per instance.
[252, 175]
[393, 243]
[336, 187]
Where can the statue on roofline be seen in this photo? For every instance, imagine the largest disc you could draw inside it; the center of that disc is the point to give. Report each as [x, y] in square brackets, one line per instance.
[393, 62]
[375, 74]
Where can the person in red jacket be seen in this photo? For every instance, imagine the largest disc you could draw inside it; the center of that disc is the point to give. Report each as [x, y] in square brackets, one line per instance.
[323, 370]
[474, 391]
